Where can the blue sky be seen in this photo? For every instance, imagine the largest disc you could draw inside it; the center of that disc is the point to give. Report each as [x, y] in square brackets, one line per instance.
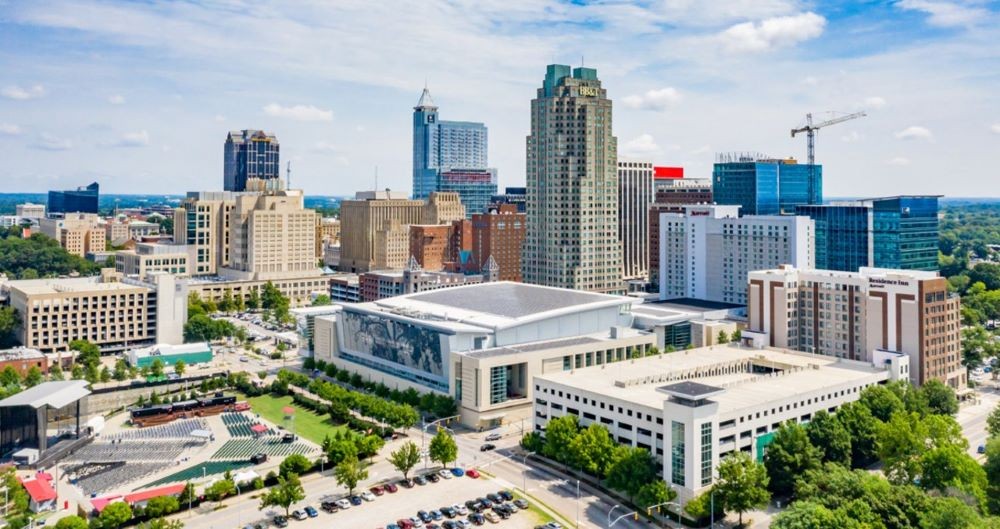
[140, 95]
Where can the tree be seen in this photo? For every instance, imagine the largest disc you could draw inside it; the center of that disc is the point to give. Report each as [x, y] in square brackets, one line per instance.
[633, 469]
[33, 377]
[220, 490]
[559, 435]
[10, 320]
[831, 438]
[655, 492]
[121, 370]
[105, 375]
[790, 454]
[901, 440]
[941, 399]
[722, 337]
[532, 442]
[296, 464]
[736, 336]
[950, 468]
[950, 513]
[87, 354]
[71, 522]
[701, 507]
[977, 345]
[593, 450]
[443, 448]
[321, 300]
[881, 401]
[857, 419]
[253, 300]
[812, 515]
[115, 514]
[156, 368]
[287, 492]
[742, 484]
[993, 422]
[348, 473]
[162, 523]
[405, 458]
[992, 469]
[56, 373]
[9, 377]
[179, 367]
[162, 506]
[187, 495]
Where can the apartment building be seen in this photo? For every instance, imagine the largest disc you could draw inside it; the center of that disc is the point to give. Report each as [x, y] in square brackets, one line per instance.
[856, 314]
[112, 311]
[707, 251]
[78, 233]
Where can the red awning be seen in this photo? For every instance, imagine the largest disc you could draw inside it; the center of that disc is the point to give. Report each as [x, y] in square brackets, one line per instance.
[39, 489]
[100, 503]
[258, 429]
[169, 490]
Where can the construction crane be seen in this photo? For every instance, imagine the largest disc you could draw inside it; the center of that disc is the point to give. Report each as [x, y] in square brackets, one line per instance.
[810, 130]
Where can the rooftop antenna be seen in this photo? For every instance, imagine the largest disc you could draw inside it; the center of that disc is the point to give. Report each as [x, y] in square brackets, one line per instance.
[288, 175]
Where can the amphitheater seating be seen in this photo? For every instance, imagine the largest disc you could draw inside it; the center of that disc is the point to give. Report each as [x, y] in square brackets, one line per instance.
[239, 424]
[211, 468]
[242, 449]
[178, 429]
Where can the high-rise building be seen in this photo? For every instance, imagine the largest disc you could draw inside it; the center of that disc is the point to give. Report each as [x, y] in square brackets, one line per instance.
[251, 155]
[671, 193]
[202, 222]
[635, 196]
[855, 315]
[499, 235]
[79, 200]
[762, 185]
[513, 195]
[375, 229]
[891, 232]
[78, 233]
[455, 148]
[572, 176]
[272, 236]
[430, 245]
[706, 252]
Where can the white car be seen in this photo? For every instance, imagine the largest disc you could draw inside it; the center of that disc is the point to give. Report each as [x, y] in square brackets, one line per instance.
[445, 473]
[417, 522]
[493, 437]
[299, 515]
[343, 503]
[367, 496]
[460, 509]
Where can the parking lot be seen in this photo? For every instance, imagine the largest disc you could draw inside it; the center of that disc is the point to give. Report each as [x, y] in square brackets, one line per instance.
[406, 502]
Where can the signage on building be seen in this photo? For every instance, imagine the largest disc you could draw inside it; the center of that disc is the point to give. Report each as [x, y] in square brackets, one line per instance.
[698, 213]
[880, 282]
[591, 91]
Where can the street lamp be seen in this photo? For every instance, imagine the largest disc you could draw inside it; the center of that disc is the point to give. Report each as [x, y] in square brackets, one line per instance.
[578, 503]
[524, 474]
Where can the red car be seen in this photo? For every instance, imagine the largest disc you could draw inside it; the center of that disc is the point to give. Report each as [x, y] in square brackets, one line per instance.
[404, 523]
[376, 490]
[391, 487]
[472, 473]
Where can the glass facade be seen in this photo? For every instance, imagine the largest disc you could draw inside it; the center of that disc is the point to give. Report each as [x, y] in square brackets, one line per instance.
[767, 187]
[677, 453]
[706, 454]
[905, 232]
[250, 154]
[841, 236]
[475, 187]
[79, 200]
[443, 146]
[498, 384]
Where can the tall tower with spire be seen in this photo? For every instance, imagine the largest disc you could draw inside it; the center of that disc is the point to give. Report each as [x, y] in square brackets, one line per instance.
[450, 156]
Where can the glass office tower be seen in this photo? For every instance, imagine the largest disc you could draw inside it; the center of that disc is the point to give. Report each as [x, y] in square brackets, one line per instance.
[842, 235]
[761, 185]
[79, 200]
[250, 154]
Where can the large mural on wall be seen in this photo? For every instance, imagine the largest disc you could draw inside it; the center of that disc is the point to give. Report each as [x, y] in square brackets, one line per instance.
[402, 343]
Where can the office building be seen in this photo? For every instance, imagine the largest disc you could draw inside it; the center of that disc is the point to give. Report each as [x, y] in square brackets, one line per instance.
[272, 236]
[251, 160]
[79, 200]
[706, 252]
[111, 311]
[572, 176]
[430, 245]
[482, 343]
[498, 235]
[517, 196]
[635, 196]
[762, 185]
[690, 409]
[375, 227]
[459, 147]
[857, 314]
[78, 233]
[890, 232]
[345, 287]
[29, 210]
[475, 187]
[202, 222]
[681, 191]
[300, 291]
[148, 258]
[329, 230]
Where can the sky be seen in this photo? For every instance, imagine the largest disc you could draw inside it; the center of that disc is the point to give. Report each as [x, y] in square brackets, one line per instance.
[139, 95]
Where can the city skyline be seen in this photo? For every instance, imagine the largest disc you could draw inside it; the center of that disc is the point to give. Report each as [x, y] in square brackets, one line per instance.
[149, 108]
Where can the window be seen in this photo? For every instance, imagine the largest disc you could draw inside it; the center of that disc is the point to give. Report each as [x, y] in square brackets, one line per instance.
[706, 453]
[677, 453]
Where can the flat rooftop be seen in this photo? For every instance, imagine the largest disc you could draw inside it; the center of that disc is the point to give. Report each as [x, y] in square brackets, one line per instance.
[545, 345]
[496, 304]
[63, 285]
[644, 381]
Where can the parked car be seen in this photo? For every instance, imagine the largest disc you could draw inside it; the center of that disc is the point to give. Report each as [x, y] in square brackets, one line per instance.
[472, 473]
[433, 477]
[436, 515]
[981, 449]
[406, 483]
[505, 494]
[391, 488]
[492, 517]
[404, 523]
[280, 521]
[343, 503]
[448, 512]
[477, 519]
[299, 515]
[494, 498]
[424, 516]
[417, 522]
[460, 509]
[472, 505]
[493, 437]
[487, 447]
[310, 511]
[420, 480]
[356, 500]
[485, 502]
[457, 472]
[329, 506]
[377, 490]
[445, 473]
[521, 503]
[367, 496]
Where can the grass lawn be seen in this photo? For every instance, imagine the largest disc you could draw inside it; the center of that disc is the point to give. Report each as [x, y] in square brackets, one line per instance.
[308, 424]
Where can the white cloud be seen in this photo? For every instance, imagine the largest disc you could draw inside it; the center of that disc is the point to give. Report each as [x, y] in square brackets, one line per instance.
[658, 100]
[773, 33]
[851, 137]
[915, 133]
[16, 92]
[219, 118]
[325, 146]
[130, 139]
[946, 14]
[116, 99]
[995, 128]
[644, 144]
[874, 102]
[9, 129]
[899, 161]
[48, 142]
[299, 112]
